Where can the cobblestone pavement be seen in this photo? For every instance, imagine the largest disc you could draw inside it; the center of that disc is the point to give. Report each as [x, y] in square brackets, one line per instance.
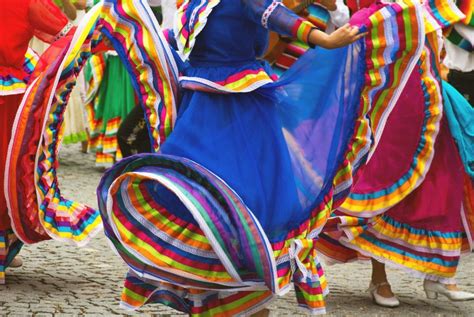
[60, 280]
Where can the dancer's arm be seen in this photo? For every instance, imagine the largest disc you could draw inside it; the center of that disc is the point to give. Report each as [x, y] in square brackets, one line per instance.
[48, 21]
[50, 25]
[169, 9]
[276, 17]
[69, 9]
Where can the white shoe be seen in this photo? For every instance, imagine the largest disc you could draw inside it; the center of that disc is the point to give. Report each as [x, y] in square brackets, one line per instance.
[390, 302]
[16, 262]
[432, 289]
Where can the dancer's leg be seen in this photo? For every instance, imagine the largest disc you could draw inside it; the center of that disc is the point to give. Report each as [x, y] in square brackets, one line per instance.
[379, 279]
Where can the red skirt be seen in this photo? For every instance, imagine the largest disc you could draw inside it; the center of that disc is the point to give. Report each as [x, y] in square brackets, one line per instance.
[8, 108]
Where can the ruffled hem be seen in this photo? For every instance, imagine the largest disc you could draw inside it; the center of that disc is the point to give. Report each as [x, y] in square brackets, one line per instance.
[9, 248]
[430, 254]
[106, 160]
[223, 266]
[373, 201]
[225, 79]
[370, 202]
[106, 148]
[414, 272]
[75, 138]
[104, 137]
[14, 81]
[155, 79]
[445, 13]
[37, 210]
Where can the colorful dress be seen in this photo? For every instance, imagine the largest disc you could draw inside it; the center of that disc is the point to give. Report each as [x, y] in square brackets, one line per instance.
[225, 216]
[114, 99]
[109, 99]
[417, 214]
[35, 213]
[248, 169]
[23, 19]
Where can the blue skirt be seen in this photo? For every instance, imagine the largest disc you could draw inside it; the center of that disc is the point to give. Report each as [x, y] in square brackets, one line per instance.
[239, 138]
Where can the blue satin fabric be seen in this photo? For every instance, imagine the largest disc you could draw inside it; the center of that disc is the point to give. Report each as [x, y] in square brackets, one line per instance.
[460, 115]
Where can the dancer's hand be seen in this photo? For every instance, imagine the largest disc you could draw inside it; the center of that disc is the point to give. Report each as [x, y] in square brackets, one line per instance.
[343, 36]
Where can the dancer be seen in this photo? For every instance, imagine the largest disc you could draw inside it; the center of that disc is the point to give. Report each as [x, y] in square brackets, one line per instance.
[22, 19]
[224, 216]
[411, 215]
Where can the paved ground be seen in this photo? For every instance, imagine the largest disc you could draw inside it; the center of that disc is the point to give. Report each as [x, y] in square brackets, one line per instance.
[59, 280]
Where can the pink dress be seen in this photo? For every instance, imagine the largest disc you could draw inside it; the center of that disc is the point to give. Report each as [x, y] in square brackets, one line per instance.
[410, 206]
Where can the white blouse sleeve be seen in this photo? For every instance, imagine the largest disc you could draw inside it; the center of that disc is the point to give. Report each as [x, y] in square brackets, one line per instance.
[340, 16]
[168, 8]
